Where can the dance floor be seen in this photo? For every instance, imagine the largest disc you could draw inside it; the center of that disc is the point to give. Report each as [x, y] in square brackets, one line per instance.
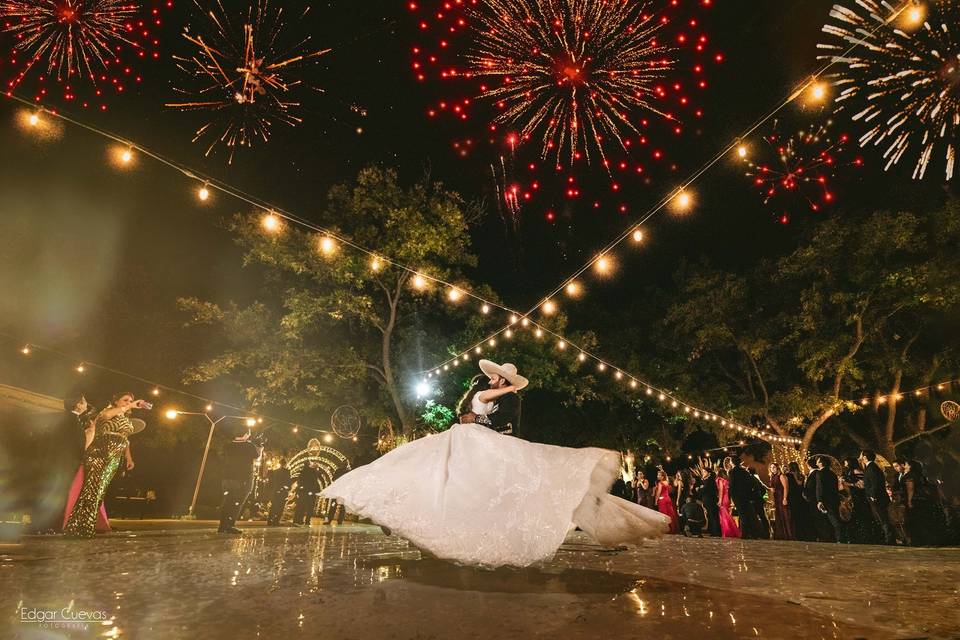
[180, 580]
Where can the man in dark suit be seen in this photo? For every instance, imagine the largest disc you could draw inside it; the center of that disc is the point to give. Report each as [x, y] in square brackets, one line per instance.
[742, 490]
[828, 496]
[875, 486]
[711, 500]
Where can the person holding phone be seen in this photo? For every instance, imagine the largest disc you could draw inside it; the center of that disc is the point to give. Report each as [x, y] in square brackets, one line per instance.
[109, 449]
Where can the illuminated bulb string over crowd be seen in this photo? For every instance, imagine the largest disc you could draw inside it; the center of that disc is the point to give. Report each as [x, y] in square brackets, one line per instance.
[679, 200]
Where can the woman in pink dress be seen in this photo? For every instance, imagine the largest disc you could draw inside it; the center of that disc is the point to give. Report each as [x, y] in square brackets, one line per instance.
[728, 526]
[665, 502]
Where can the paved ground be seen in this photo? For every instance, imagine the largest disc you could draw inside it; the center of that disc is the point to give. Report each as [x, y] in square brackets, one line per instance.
[180, 580]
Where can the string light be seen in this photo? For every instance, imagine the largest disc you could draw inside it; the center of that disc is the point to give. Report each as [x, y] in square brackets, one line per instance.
[81, 368]
[155, 392]
[454, 294]
[603, 265]
[573, 289]
[328, 246]
[742, 152]
[203, 193]
[638, 235]
[419, 282]
[682, 201]
[251, 422]
[817, 91]
[25, 350]
[549, 307]
[376, 264]
[271, 222]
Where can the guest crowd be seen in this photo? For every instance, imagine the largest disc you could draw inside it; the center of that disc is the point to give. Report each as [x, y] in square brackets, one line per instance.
[860, 503]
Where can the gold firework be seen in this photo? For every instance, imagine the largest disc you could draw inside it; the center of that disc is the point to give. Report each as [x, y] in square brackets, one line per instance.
[246, 78]
[574, 72]
[903, 85]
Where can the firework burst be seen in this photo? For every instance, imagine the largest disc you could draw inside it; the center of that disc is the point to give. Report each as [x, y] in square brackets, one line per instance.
[904, 85]
[80, 42]
[244, 74]
[562, 85]
[798, 171]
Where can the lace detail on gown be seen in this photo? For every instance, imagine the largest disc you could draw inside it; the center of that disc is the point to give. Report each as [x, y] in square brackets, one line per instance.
[475, 496]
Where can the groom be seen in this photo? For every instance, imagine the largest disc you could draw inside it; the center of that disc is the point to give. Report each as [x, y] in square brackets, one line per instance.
[505, 416]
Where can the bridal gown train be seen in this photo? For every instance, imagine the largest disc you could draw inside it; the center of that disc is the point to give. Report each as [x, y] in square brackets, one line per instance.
[475, 496]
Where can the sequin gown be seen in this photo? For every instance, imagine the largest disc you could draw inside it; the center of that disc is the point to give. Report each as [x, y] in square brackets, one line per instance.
[100, 464]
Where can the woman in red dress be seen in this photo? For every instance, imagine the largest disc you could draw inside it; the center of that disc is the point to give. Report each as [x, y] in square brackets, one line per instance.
[665, 502]
[728, 526]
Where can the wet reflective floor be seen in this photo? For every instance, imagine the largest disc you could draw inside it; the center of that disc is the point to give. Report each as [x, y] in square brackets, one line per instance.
[354, 582]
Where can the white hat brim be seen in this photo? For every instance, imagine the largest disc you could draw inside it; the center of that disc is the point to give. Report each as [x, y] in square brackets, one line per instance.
[489, 368]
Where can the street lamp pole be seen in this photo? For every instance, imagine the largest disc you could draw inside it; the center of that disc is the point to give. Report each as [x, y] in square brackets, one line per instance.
[206, 451]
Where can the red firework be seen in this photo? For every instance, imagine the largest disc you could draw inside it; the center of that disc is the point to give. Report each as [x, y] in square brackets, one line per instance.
[89, 48]
[568, 89]
[797, 171]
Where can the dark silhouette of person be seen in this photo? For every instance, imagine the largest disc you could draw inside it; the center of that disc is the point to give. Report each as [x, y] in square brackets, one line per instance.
[308, 488]
[875, 486]
[742, 492]
[828, 496]
[279, 483]
[711, 501]
[237, 482]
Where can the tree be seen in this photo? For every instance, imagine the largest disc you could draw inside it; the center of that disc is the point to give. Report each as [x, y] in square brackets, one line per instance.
[332, 320]
[791, 344]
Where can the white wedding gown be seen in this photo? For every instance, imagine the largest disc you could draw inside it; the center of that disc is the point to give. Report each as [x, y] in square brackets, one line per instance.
[475, 496]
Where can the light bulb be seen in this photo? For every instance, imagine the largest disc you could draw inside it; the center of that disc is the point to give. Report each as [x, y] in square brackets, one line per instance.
[549, 307]
[637, 235]
[573, 289]
[271, 222]
[376, 264]
[203, 193]
[172, 414]
[327, 245]
[419, 282]
[454, 294]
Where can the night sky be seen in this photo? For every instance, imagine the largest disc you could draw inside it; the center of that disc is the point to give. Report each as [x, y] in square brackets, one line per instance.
[92, 260]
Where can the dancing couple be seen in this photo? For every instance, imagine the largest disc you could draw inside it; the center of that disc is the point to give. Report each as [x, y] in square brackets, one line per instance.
[475, 494]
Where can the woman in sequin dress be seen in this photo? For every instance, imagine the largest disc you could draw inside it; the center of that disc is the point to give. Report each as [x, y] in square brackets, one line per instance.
[109, 449]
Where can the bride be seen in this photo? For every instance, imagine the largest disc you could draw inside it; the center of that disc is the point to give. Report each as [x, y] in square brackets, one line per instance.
[475, 495]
